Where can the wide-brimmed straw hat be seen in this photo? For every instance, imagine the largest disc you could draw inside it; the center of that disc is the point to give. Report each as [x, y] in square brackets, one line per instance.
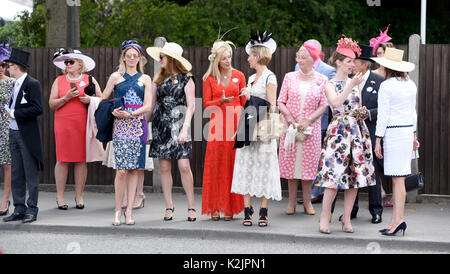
[171, 49]
[62, 55]
[393, 59]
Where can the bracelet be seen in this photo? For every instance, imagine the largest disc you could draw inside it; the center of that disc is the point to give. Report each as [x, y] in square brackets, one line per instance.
[187, 124]
[64, 99]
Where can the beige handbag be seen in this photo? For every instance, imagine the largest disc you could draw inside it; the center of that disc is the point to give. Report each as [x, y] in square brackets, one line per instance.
[269, 128]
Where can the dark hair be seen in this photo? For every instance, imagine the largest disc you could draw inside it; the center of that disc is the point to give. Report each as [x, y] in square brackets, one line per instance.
[22, 68]
[334, 57]
[393, 73]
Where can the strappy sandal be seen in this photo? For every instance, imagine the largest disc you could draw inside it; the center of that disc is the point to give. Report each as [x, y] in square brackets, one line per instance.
[262, 222]
[248, 212]
[171, 216]
[189, 218]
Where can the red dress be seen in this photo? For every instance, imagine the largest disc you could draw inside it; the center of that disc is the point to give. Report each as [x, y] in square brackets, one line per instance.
[219, 158]
[70, 123]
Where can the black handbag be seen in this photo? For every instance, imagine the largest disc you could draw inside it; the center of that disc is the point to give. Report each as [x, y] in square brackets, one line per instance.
[414, 181]
[90, 88]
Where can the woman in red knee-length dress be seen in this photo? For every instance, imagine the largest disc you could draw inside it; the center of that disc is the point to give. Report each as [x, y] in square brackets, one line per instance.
[221, 89]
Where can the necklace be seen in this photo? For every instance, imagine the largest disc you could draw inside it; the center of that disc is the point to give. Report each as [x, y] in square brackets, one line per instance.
[306, 74]
[74, 79]
[225, 76]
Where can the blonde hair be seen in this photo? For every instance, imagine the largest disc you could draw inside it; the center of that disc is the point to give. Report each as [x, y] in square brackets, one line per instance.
[82, 68]
[219, 47]
[140, 66]
[263, 53]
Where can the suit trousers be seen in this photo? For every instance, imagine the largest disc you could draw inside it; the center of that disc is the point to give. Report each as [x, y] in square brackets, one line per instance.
[24, 173]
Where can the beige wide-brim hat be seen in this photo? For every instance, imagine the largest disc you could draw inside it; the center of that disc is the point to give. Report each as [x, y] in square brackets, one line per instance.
[171, 49]
[393, 59]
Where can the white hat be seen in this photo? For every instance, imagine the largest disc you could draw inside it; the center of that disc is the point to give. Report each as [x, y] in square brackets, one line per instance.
[393, 59]
[60, 56]
[171, 49]
[264, 40]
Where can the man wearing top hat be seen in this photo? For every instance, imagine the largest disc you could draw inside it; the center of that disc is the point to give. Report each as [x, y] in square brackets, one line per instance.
[369, 92]
[25, 138]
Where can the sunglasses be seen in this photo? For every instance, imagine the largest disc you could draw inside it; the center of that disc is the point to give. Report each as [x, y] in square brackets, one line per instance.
[4, 65]
[71, 62]
[132, 56]
[161, 57]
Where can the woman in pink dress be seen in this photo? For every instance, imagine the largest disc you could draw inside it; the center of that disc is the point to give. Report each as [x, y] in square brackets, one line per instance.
[302, 101]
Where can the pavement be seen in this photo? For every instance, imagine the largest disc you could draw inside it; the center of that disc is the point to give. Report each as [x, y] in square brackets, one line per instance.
[428, 222]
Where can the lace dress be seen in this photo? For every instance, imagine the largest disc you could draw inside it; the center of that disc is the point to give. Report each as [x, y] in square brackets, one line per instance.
[256, 169]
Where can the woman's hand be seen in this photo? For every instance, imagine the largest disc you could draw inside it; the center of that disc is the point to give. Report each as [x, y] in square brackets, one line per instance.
[356, 80]
[86, 99]
[72, 93]
[120, 113]
[303, 125]
[378, 149]
[246, 93]
[182, 138]
[225, 100]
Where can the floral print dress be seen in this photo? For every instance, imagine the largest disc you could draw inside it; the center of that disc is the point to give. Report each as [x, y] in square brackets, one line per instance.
[130, 134]
[6, 90]
[346, 160]
[169, 115]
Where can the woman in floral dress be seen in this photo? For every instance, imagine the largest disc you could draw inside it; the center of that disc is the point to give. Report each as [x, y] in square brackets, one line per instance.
[346, 160]
[130, 127]
[6, 90]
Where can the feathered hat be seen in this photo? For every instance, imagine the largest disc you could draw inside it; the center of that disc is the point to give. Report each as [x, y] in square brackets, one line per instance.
[5, 52]
[348, 47]
[383, 37]
[262, 39]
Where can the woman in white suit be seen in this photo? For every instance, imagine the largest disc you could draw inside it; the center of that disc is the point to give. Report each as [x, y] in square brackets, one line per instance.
[396, 125]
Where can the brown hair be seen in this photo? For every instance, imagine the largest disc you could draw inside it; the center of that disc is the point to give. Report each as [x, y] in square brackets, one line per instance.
[393, 73]
[173, 66]
[385, 45]
[334, 57]
[263, 53]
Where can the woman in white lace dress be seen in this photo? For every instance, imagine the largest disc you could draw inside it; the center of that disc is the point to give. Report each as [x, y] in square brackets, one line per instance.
[256, 169]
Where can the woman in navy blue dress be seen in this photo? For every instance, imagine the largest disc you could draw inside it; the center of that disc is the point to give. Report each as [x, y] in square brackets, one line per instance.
[130, 127]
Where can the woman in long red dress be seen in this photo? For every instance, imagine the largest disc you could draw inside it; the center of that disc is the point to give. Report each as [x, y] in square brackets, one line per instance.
[221, 90]
[69, 97]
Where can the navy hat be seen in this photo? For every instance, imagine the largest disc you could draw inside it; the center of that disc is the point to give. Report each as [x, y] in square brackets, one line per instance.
[19, 57]
[366, 53]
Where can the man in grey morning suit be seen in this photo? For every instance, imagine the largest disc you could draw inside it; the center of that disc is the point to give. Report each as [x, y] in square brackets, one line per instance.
[25, 138]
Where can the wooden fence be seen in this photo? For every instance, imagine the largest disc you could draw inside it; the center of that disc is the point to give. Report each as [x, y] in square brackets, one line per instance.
[434, 115]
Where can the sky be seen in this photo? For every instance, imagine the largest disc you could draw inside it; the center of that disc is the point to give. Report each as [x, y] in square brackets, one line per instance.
[9, 8]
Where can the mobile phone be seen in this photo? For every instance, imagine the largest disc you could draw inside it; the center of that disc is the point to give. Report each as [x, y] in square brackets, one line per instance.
[73, 85]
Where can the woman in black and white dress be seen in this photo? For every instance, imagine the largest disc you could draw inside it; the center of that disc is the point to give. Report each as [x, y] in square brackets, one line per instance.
[396, 125]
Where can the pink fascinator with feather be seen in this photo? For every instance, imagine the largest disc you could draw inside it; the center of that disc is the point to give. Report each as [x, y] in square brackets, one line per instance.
[348, 47]
[383, 37]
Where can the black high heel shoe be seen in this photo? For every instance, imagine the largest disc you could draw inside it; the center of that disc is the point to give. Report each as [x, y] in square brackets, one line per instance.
[78, 206]
[263, 221]
[248, 212]
[63, 207]
[401, 227]
[189, 218]
[171, 216]
[5, 212]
